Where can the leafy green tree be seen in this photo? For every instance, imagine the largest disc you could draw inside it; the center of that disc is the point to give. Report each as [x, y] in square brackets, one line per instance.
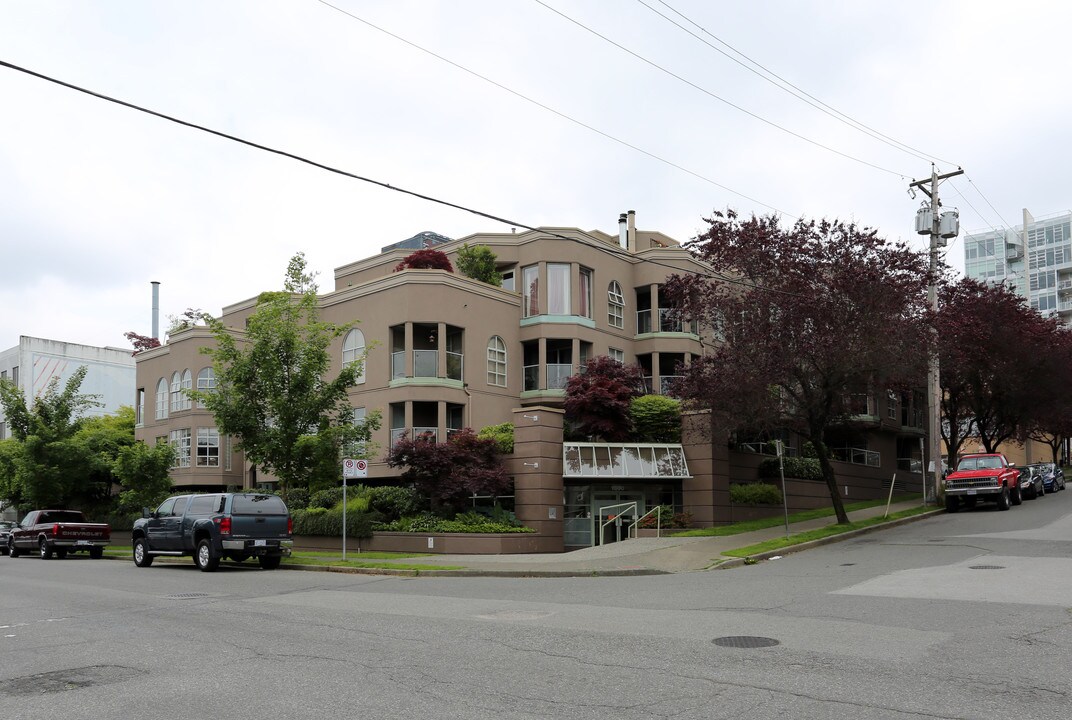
[40, 461]
[656, 418]
[272, 388]
[479, 263]
[143, 471]
[94, 449]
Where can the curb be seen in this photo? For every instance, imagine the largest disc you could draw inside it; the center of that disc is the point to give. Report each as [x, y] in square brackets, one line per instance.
[733, 562]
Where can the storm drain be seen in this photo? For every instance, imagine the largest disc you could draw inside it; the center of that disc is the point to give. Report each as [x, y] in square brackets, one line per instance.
[986, 567]
[186, 596]
[745, 641]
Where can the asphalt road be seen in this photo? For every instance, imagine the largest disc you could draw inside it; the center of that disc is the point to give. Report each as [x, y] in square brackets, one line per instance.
[958, 616]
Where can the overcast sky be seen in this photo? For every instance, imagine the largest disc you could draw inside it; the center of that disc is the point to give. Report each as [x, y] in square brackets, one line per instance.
[97, 200]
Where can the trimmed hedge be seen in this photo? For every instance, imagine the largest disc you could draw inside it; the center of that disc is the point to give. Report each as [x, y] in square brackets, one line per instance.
[755, 494]
[393, 501]
[318, 521]
[800, 468]
[471, 522]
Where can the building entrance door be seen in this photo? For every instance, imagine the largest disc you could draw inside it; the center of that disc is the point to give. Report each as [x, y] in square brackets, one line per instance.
[611, 516]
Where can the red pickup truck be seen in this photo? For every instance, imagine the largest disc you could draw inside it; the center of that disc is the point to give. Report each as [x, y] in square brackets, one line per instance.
[981, 477]
[58, 532]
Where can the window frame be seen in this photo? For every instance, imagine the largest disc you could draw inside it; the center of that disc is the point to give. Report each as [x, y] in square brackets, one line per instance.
[208, 433]
[162, 399]
[615, 305]
[497, 366]
[353, 349]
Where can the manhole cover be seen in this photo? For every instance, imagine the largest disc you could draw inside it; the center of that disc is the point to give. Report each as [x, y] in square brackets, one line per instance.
[986, 567]
[186, 596]
[745, 641]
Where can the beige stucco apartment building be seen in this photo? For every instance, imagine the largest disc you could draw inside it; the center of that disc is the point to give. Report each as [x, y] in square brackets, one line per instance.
[444, 352]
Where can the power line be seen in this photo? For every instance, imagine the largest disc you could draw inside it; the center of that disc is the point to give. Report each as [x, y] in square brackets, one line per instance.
[550, 109]
[338, 171]
[790, 88]
[717, 97]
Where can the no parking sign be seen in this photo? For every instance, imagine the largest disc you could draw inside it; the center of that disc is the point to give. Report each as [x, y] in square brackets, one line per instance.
[354, 468]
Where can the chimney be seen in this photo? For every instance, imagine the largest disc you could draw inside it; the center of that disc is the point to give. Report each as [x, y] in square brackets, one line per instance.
[632, 231]
[623, 232]
[156, 309]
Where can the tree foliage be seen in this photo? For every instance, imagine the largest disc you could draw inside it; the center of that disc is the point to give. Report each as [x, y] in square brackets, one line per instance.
[478, 262]
[999, 361]
[450, 473]
[272, 388]
[142, 471]
[426, 259]
[141, 343]
[810, 316]
[598, 399]
[42, 464]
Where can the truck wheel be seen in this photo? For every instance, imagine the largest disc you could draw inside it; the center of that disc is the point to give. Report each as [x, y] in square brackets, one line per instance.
[952, 504]
[12, 551]
[270, 562]
[1003, 499]
[142, 558]
[205, 557]
[1017, 496]
[45, 548]
[96, 553]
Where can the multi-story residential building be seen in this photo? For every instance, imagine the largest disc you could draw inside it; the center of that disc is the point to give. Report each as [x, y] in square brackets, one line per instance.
[35, 362]
[1034, 258]
[444, 352]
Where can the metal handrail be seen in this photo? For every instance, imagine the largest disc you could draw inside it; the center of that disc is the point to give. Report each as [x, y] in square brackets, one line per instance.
[603, 526]
[658, 521]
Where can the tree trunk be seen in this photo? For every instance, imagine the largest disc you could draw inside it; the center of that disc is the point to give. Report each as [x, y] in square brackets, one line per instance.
[831, 482]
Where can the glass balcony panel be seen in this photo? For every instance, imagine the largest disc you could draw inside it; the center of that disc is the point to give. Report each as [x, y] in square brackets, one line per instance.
[425, 363]
[532, 377]
[557, 375]
[643, 321]
[398, 365]
[455, 365]
[425, 433]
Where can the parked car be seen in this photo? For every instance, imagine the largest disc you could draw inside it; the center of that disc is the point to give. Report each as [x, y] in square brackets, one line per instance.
[210, 527]
[58, 532]
[1031, 484]
[1053, 477]
[6, 526]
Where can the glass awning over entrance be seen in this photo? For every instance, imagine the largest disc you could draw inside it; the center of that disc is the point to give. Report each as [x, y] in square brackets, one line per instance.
[623, 460]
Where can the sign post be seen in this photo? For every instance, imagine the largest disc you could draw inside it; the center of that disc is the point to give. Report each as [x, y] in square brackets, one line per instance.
[350, 469]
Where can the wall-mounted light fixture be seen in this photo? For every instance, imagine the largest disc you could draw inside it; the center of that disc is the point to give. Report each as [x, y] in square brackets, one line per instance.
[532, 465]
[533, 418]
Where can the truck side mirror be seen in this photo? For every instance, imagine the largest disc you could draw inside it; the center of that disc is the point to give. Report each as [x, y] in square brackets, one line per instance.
[146, 512]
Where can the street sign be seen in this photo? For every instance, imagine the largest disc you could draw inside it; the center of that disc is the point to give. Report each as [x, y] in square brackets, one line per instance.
[354, 468]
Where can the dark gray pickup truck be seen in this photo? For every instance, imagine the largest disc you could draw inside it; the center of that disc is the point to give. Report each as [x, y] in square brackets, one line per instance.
[214, 526]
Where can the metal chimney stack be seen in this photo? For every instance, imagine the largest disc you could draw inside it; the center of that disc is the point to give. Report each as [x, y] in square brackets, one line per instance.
[156, 309]
[623, 232]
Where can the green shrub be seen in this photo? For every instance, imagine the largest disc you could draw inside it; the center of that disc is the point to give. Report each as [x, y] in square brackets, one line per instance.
[665, 517]
[393, 501]
[755, 494]
[795, 467]
[656, 419]
[356, 503]
[479, 263]
[329, 522]
[121, 521]
[503, 434]
[297, 498]
[327, 498]
[807, 449]
[470, 522]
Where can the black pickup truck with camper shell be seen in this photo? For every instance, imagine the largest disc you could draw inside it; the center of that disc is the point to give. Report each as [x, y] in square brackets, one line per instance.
[214, 526]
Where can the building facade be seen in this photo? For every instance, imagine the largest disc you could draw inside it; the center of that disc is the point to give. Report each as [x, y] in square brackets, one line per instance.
[35, 362]
[445, 352]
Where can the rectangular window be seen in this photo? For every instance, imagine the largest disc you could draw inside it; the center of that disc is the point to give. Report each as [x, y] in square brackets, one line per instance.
[139, 411]
[180, 440]
[15, 375]
[585, 293]
[357, 449]
[558, 289]
[530, 278]
[508, 280]
[208, 447]
[619, 355]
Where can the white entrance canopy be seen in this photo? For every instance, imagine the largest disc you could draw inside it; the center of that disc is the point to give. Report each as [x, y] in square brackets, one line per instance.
[624, 460]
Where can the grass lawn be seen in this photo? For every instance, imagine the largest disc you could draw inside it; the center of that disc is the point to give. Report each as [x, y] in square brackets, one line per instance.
[827, 531]
[762, 523]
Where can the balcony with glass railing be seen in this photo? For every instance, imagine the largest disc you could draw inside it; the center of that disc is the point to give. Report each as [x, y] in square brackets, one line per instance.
[426, 364]
[857, 456]
[558, 374]
[418, 433]
[663, 387]
[667, 322]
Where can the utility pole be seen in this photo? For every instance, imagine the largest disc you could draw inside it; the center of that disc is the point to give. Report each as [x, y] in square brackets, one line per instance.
[942, 226]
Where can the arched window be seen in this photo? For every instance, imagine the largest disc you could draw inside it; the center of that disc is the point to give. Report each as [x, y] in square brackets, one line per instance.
[206, 382]
[353, 350]
[615, 305]
[187, 385]
[161, 399]
[176, 391]
[496, 361]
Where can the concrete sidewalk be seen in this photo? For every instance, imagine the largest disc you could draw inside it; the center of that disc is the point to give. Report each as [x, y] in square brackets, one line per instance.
[651, 556]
